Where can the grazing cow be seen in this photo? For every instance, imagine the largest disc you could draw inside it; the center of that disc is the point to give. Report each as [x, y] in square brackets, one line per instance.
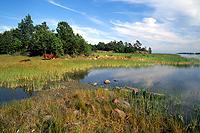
[49, 56]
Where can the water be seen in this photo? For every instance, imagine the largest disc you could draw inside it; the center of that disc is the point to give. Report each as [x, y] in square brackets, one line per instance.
[182, 82]
[8, 95]
[197, 56]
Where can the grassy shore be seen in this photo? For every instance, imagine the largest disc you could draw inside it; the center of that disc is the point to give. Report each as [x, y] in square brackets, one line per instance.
[76, 109]
[34, 74]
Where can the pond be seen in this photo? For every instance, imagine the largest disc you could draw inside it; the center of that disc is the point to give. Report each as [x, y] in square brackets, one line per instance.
[8, 95]
[182, 82]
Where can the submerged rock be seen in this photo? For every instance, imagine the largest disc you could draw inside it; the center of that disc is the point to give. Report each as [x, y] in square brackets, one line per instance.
[107, 82]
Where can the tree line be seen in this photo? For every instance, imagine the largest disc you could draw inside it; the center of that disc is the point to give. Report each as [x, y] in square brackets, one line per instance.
[39, 39]
[34, 40]
[122, 47]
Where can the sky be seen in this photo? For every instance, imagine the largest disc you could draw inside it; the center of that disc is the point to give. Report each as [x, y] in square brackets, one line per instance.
[167, 26]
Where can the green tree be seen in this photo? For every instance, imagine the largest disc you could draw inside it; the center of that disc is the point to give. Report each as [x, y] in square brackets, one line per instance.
[9, 44]
[45, 41]
[83, 46]
[149, 50]
[26, 30]
[137, 45]
[65, 33]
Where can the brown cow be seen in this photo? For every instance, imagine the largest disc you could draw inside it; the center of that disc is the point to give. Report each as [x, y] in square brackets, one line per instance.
[49, 56]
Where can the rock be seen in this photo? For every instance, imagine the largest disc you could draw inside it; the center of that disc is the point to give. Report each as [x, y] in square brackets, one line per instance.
[115, 80]
[117, 88]
[121, 103]
[134, 90]
[47, 117]
[77, 123]
[157, 94]
[127, 104]
[107, 82]
[120, 113]
[116, 101]
[76, 112]
[95, 84]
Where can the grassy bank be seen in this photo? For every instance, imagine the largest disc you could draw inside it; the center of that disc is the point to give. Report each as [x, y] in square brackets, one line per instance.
[77, 109]
[37, 72]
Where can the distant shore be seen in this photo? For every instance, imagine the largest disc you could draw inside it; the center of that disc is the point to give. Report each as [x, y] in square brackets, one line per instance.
[190, 53]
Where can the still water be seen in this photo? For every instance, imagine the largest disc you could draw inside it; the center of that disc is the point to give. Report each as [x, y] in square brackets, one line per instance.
[183, 82]
[196, 56]
[8, 95]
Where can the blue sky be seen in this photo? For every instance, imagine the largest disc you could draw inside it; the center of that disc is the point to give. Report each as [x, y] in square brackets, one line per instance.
[168, 26]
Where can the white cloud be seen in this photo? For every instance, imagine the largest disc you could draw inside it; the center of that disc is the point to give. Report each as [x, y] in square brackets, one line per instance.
[5, 28]
[172, 9]
[160, 36]
[93, 35]
[52, 22]
[65, 7]
[148, 29]
[91, 18]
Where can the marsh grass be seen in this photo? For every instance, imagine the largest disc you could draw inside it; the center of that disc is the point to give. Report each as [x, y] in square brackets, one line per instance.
[86, 110]
[37, 73]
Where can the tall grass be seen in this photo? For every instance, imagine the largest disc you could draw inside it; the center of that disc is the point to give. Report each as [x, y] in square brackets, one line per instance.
[84, 110]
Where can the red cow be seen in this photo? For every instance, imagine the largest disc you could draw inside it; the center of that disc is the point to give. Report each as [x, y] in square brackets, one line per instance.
[49, 56]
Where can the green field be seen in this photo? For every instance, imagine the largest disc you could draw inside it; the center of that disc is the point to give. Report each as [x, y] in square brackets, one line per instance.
[37, 72]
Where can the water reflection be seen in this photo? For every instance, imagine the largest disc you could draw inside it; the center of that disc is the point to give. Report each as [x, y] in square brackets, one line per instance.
[183, 82]
[78, 75]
